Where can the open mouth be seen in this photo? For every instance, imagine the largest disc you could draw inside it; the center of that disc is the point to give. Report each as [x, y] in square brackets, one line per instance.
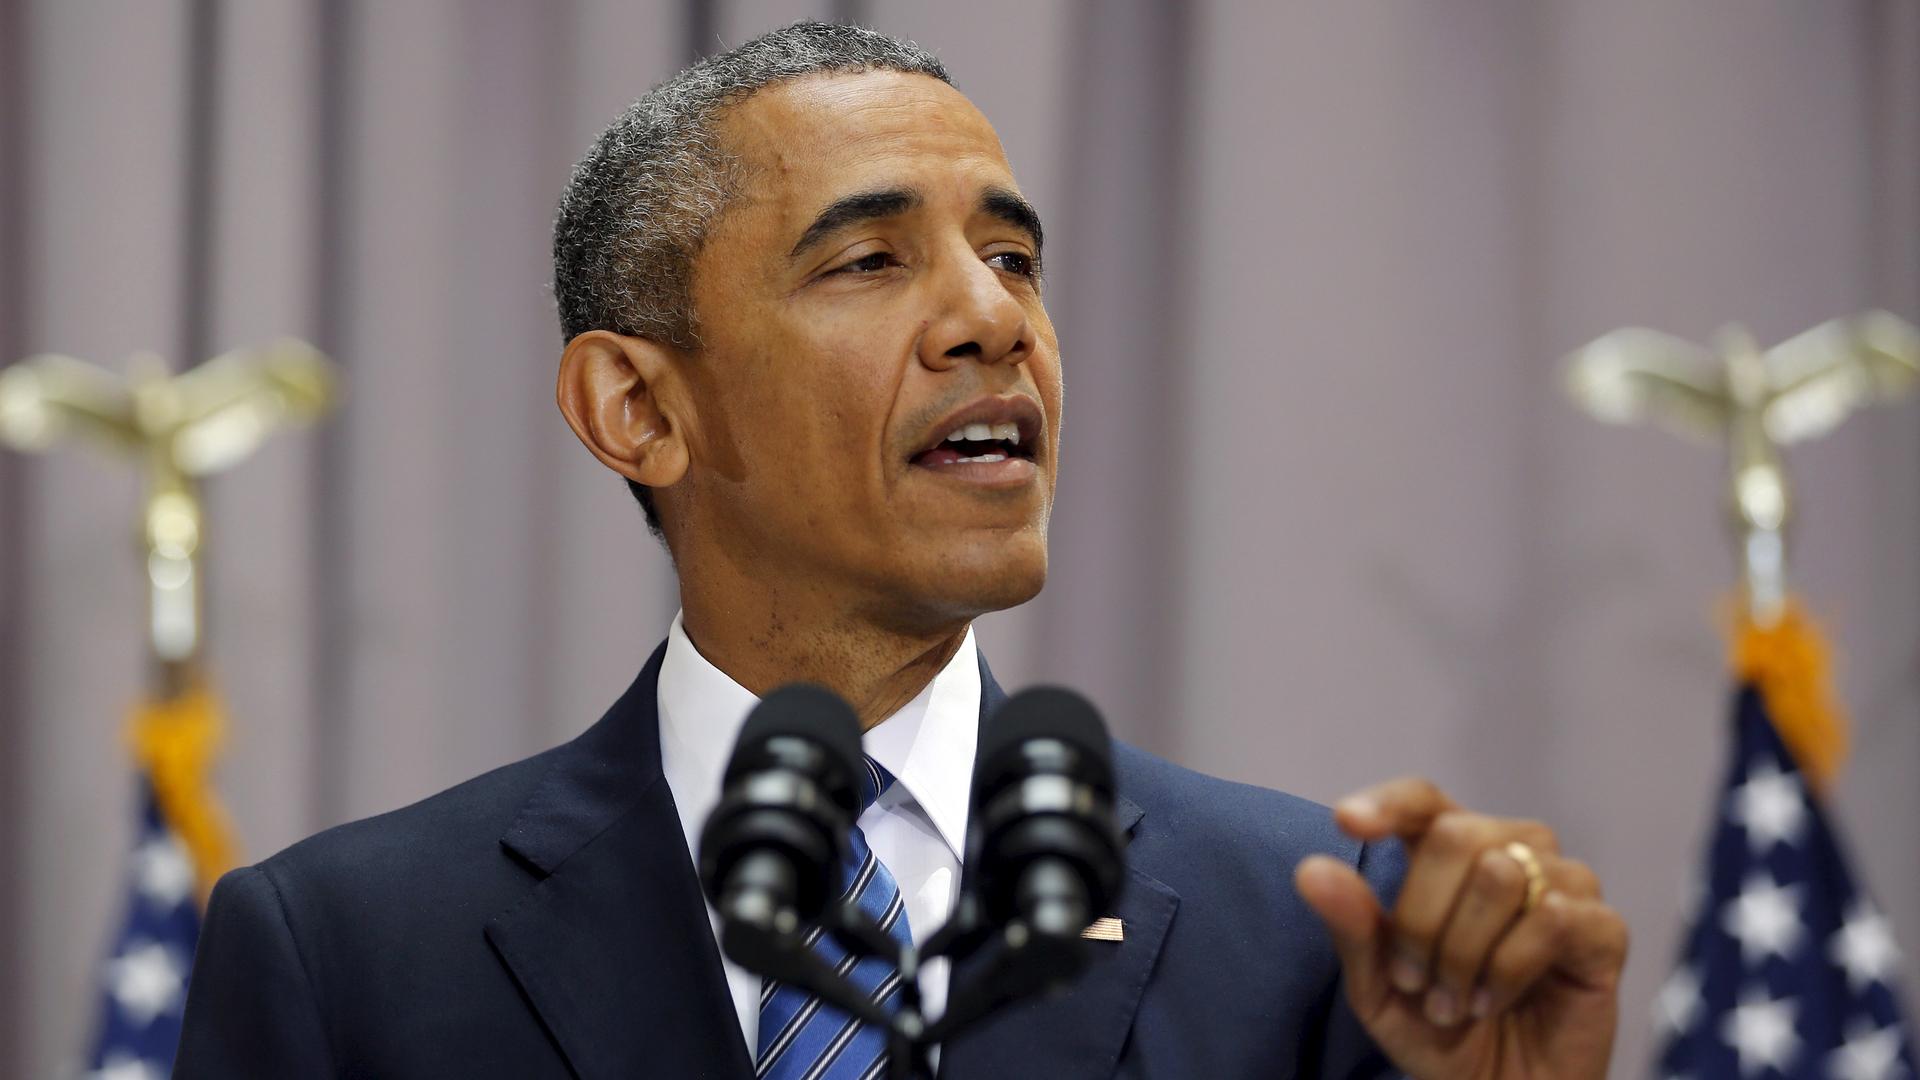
[977, 444]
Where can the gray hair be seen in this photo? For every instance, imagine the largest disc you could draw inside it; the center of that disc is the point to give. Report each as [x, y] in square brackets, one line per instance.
[637, 208]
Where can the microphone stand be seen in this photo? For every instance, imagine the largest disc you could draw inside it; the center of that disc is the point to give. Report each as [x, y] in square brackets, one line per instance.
[908, 1050]
[779, 949]
[1029, 957]
[1024, 962]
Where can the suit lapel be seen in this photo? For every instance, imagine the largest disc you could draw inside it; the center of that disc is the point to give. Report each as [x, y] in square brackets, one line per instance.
[612, 947]
[1080, 1033]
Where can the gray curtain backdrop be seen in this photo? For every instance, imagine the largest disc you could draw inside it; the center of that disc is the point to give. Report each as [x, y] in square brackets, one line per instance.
[1325, 517]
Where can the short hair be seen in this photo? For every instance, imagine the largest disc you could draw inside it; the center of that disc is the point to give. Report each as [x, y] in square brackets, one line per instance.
[639, 205]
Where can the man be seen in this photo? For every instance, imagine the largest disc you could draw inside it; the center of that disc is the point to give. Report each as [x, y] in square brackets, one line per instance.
[802, 299]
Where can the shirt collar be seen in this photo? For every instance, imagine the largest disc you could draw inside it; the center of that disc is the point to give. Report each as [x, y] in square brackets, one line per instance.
[928, 745]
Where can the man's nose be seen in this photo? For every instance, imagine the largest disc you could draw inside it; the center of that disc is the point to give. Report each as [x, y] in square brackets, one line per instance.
[978, 318]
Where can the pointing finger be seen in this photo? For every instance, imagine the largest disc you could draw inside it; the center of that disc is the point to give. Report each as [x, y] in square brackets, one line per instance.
[1405, 808]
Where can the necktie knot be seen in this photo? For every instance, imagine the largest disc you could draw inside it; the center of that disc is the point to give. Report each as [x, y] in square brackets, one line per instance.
[874, 782]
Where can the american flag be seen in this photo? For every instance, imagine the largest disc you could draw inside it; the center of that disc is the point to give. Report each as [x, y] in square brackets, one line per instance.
[1789, 968]
[144, 979]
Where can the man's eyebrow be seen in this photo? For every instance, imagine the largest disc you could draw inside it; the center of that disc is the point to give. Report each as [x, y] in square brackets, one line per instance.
[852, 210]
[1009, 207]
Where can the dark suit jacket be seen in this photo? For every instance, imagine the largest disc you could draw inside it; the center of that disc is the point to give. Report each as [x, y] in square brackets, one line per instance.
[544, 920]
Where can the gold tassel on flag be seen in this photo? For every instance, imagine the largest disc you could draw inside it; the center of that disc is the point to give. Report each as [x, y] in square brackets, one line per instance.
[1790, 663]
[175, 742]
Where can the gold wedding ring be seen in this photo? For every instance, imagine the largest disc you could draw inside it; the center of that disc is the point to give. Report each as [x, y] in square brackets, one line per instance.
[1536, 874]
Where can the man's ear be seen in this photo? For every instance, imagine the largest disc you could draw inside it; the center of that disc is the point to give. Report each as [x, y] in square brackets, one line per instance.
[623, 396]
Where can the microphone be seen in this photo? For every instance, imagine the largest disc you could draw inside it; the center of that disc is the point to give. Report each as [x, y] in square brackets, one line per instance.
[769, 849]
[1043, 842]
[1043, 853]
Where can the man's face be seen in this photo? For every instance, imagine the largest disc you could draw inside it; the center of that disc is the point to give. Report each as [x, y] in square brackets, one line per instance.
[872, 290]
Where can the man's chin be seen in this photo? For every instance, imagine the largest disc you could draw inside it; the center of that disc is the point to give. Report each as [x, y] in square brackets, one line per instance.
[976, 579]
[1005, 590]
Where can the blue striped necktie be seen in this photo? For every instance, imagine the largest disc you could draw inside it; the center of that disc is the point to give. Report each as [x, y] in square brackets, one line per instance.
[804, 1038]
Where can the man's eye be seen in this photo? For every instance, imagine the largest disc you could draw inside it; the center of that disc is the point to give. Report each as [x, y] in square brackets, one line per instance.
[1017, 262]
[866, 264]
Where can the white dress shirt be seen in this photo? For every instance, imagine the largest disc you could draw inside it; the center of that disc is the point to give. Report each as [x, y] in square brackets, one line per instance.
[917, 829]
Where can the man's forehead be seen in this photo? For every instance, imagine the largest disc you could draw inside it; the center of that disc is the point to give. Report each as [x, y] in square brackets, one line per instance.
[805, 137]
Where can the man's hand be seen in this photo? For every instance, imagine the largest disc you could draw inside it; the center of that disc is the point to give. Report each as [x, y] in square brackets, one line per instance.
[1464, 978]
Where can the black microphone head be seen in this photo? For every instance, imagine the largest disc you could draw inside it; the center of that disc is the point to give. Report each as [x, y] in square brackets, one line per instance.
[1041, 841]
[1046, 712]
[804, 711]
[787, 799]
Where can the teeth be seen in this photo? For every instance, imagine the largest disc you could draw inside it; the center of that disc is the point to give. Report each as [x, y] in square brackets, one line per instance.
[1008, 432]
[983, 459]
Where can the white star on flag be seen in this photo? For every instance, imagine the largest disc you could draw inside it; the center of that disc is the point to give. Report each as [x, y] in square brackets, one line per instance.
[1765, 917]
[1869, 1054]
[1864, 946]
[1770, 807]
[1678, 1002]
[146, 980]
[1760, 1030]
[162, 871]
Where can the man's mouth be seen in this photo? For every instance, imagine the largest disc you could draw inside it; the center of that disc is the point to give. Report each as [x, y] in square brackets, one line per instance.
[992, 443]
[977, 444]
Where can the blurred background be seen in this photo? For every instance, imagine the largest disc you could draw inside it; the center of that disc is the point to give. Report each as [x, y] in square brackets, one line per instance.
[1326, 516]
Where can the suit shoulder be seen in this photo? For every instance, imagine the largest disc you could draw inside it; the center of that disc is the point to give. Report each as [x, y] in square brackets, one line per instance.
[1197, 808]
[439, 836]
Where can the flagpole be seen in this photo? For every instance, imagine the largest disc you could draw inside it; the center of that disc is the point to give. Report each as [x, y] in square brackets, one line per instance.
[1753, 403]
[178, 429]
[1787, 964]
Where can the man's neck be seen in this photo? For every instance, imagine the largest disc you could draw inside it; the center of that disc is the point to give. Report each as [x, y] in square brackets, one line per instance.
[876, 670]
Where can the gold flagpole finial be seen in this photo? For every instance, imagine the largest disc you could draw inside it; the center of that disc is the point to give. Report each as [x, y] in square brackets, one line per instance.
[181, 427]
[1753, 402]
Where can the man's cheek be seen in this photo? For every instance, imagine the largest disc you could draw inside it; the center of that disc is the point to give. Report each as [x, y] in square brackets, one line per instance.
[721, 444]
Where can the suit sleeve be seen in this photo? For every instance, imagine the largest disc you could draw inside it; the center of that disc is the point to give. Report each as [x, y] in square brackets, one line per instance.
[251, 1010]
[1347, 1052]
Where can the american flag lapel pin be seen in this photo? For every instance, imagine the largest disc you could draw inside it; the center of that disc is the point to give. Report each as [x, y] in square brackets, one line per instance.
[1106, 928]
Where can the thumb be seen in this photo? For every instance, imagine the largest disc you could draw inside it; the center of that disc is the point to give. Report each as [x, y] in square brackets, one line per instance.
[1343, 900]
